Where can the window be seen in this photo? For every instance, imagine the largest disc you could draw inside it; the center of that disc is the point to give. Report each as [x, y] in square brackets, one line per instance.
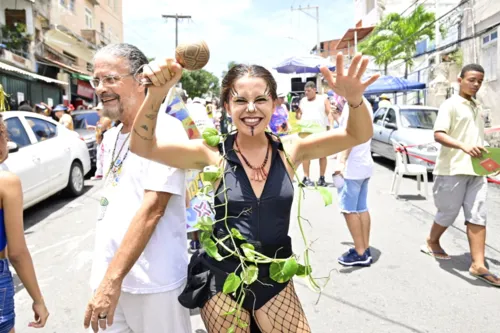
[111, 4]
[82, 120]
[110, 35]
[378, 116]
[489, 55]
[62, 3]
[43, 129]
[103, 31]
[88, 18]
[415, 118]
[390, 117]
[16, 132]
[370, 4]
[72, 5]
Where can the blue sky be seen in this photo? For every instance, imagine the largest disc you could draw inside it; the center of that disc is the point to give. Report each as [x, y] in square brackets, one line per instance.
[248, 31]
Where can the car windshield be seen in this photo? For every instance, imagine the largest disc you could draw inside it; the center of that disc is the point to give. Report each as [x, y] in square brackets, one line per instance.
[82, 120]
[418, 118]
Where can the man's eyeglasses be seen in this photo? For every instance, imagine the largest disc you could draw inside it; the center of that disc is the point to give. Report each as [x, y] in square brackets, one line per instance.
[107, 80]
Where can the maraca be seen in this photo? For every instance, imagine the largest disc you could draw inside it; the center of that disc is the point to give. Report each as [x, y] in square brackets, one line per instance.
[192, 56]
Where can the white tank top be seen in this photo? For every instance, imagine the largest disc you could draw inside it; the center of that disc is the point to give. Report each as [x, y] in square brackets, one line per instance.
[314, 110]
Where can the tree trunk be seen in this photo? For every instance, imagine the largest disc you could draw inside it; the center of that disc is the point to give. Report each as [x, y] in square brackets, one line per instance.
[386, 65]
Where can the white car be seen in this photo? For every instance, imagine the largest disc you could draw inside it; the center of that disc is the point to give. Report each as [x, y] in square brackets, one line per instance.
[45, 155]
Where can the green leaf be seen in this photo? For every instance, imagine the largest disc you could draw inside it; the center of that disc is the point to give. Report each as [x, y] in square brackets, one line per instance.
[242, 324]
[249, 275]
[303, 271]
[236, 234]
[211, 173]
[283, 271]
[231, 284]
[204, 236]
[231, 329]
[230, 312]
[248, 250]
[203, 227]
[211, 249]
[206, 190]
[206, 220]
[326, 194]
[211, 137]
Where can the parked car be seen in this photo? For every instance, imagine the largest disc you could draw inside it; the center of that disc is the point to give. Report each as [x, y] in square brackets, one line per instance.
[85, 122]
[45, 155]
[410, 125]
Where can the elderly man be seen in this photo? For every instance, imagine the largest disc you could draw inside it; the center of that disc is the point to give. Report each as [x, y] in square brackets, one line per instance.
[140, 259]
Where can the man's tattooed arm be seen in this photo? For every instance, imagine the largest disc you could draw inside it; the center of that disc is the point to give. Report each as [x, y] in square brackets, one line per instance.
[146, 125]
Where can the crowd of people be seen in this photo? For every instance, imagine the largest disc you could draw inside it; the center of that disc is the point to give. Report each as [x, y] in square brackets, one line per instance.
[142, 279]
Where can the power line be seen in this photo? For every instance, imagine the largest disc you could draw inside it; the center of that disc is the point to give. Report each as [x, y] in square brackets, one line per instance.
[426, 26]
[177, 17]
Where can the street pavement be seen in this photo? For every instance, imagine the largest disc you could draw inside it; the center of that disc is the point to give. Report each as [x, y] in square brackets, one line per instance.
[403, 291]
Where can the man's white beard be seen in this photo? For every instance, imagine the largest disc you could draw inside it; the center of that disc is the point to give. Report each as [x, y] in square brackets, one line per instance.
[113, 113]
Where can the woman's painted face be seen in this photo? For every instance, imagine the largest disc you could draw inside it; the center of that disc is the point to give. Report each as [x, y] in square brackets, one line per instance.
[250, 105]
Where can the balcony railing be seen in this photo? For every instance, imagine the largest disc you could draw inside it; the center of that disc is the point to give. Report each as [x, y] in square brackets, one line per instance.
[15, 59]
[95, 37]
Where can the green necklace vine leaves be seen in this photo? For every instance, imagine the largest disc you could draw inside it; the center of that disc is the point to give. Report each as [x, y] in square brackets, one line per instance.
[281, 270]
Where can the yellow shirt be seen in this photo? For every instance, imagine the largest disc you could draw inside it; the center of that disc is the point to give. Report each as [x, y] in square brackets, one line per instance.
[462, 120]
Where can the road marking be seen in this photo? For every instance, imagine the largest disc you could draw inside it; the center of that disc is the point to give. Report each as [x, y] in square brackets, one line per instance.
[76, 238]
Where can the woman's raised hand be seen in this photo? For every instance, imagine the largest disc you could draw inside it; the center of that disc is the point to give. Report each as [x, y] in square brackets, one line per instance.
[350, 85]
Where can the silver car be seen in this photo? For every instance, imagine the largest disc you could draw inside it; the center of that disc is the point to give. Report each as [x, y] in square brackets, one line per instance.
[411, 126]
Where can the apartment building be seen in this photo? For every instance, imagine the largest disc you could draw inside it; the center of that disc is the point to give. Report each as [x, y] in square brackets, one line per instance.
[54, 62]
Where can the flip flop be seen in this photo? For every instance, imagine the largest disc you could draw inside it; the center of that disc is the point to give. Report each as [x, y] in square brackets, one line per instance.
[484, 278]
[439, 255]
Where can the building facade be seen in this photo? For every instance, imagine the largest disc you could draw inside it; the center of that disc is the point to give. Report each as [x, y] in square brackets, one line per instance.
[63, 37]
[481, 23]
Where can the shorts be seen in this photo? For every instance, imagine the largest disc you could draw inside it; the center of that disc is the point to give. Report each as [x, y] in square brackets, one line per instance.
[7, 314]
[460, 191]
[353, 196]
[150, 313]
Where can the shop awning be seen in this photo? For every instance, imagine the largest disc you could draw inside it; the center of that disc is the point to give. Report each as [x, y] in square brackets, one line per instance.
[353, 35]
[10, 68]
[60, 65]
[59, 40]
[81, 77]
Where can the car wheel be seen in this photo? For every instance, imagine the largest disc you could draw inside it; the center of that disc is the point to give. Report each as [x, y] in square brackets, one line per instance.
[76, 179]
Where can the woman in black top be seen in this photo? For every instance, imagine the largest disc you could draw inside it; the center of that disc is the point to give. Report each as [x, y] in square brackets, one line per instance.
[258, 179]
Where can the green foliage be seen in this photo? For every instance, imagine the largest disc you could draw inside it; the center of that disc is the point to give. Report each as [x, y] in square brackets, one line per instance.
[230, 65]
[396, 37]
[200, 82]
[16, 38]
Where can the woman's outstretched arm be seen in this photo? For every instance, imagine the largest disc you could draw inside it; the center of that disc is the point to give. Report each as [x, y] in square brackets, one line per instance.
[359, 124]
[194, 154]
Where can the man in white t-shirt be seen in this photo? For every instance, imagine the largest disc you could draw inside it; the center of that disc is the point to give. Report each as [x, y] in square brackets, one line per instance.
[140, 260]
[356, 166]
[315, 109]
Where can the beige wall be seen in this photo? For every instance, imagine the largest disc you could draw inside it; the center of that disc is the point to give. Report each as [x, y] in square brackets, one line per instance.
[77, 19]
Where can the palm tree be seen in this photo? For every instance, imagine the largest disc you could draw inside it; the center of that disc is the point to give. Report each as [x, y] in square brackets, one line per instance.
[396, 37]
[230, 65]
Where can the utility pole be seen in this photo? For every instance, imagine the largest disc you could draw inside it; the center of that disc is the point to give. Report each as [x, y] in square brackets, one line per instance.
[318, 49]
[177, 17]
[437, 33]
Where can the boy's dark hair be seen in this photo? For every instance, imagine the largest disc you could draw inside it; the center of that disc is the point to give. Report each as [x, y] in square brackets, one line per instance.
[310, 84]
[471, 68]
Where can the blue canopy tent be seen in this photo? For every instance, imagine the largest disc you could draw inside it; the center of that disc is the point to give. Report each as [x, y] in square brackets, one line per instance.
[391, 84]
[303, 64]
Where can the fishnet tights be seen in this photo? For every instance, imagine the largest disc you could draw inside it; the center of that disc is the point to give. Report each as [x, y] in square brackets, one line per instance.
[283, 314]
[213, 315]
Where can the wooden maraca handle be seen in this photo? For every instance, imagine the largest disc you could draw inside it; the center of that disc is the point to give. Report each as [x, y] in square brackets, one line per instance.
[191, 56]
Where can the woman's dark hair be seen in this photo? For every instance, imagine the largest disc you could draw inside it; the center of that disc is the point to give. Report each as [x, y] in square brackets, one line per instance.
[239, 71]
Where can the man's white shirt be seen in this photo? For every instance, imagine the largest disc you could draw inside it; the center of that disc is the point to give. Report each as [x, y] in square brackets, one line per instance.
[163, 264]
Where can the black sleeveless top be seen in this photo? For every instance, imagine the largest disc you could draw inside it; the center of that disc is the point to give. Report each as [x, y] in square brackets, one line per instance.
[264, 221]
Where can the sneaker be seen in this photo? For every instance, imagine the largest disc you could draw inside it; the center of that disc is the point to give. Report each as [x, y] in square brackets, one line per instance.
[321, 181]
[307, 182]
[352, 258]
[369, 254]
